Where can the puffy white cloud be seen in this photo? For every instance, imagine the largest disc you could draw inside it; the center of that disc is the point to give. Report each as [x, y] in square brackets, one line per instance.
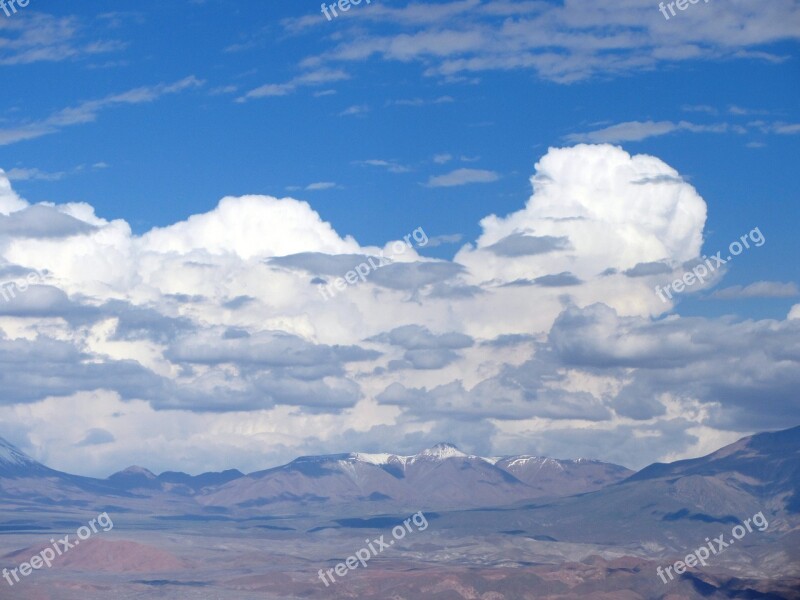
[251, 227]
[210, 339]
[600, 208]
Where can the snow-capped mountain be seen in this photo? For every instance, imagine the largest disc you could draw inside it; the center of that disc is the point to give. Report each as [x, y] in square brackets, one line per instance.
[440, 476]
[552, 476]
[15, 463]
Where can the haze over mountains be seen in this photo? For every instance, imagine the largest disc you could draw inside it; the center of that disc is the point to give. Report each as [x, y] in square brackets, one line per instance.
[500, 528]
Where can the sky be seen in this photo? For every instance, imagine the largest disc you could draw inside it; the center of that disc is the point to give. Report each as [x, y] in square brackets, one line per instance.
[233, 233]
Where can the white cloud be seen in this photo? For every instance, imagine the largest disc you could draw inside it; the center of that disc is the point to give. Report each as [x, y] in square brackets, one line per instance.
[594, 209]
[356, 109]
[443, 158]
[320, 185]
[209, 339]
[40, 37]
[563, 42]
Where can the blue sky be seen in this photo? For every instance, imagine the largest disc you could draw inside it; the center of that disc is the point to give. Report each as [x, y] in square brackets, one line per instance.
[391, 117]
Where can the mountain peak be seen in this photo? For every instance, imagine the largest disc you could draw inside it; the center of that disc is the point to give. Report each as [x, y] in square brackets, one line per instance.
[443, 450]
[136, 471]
[10, 455]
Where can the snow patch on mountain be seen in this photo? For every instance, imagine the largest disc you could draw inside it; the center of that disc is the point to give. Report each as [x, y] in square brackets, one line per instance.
[443, 451]
[9, 455]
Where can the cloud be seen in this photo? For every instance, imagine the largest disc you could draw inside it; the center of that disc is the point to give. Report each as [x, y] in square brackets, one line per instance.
[462, 177]
[308, 79]
[96, 437]
[441, 240]
[561, 42]
[41, 221]
[636, 131]
[39, 37]
[590, 219]
[648, 269]
[354, 110]
[701, 108]
[320, 185]
[237, 226]
[390, 165]
[520, 244]
[416, 102]
[564, 279]
[213, 329]
[441, 159]
[34, 174]
[87, 112]
[759, 289]
[416, 337]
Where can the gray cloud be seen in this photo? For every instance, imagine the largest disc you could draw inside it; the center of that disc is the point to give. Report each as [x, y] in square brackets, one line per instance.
[759, 289]
[97, 437]
[648, 269]
[413, 276]
[321, 264]
[275, 350]
[691, 358]
[416, 337]
[32, 370]
[565, 279]
[520, 244]
[41, 221]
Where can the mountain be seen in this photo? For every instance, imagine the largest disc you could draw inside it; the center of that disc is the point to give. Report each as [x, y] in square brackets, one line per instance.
[441, 477]
[139, 478]
[765, 465]
[551, 476]
[29, 482]
[666, 509]
[14, 463]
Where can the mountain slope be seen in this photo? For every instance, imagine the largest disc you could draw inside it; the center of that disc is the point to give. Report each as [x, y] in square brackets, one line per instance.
[668, 509]
[765, 465]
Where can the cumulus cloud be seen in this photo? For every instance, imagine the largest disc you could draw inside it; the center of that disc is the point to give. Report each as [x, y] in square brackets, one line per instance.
[592, 224]
[546, 322]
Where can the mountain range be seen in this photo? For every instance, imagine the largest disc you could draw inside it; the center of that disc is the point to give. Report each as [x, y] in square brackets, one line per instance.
[438, 477]
[500, 528]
